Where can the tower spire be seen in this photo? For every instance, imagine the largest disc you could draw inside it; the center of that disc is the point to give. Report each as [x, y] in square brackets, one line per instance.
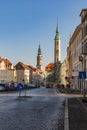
[57, 26]
[57, 36]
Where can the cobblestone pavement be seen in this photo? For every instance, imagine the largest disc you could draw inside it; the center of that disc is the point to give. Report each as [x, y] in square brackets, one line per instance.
[77, 115]
[77, 109]
[34, 113]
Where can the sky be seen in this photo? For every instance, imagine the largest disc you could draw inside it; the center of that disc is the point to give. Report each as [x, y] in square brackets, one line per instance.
[26, 24]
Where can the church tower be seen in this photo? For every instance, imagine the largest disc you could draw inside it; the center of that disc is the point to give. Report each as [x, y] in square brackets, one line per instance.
[57, 46]
[39, 59]
[57, 59]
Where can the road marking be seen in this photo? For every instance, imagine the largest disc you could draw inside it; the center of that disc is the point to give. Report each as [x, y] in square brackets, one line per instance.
[82, 104]
[66, 120]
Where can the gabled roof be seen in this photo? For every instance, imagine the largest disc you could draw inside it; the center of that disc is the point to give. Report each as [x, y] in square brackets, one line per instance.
[21, 65]
[40, 71]
[32, 68]
[6, 61]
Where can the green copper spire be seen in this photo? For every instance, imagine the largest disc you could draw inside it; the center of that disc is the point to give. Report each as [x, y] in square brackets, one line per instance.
[57, 36]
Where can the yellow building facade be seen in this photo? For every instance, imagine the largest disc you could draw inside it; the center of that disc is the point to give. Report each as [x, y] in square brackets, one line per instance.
[76, 50]
[63, 72]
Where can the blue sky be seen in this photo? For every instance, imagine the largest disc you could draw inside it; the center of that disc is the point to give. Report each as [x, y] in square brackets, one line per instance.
[24, 24]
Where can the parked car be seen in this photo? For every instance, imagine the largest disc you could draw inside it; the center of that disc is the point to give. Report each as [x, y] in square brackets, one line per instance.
[31, 86]
[13, 86]
[2, 88]
[5, 86]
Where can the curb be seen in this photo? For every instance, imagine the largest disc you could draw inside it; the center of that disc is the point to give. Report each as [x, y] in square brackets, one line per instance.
[66, 119]
[82, 104]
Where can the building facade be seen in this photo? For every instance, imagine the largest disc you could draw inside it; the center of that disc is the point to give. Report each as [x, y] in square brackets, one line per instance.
[23, 72]
[77, 53]
[83, 16]
[7, 71]
[74, 50]
[49, 75]
[63, 73]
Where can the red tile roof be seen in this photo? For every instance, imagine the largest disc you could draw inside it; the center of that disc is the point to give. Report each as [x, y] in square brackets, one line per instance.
[50, 66]
[40, 71]
[32, 68]
[6, 61]
[21, 65]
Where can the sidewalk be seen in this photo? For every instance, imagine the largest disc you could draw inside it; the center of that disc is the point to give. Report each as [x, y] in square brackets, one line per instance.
[77, 114]
[77, 111]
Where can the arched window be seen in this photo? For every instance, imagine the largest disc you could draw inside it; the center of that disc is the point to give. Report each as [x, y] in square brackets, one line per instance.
[56, 51]
[57, 43]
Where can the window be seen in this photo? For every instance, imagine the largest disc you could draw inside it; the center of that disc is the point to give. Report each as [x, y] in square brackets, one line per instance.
[56, 51]
[57, 43]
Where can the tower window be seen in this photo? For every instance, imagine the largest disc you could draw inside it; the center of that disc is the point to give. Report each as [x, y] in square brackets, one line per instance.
[56, 51]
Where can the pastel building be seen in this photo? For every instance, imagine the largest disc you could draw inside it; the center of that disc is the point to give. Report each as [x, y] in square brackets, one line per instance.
[63, 72]
[7, 71]
[23, 72]
[77, 53]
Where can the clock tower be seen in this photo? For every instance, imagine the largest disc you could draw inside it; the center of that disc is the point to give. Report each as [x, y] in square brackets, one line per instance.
[39, 59]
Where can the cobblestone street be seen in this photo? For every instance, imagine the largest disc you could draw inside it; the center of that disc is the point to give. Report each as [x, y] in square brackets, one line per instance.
[41, 112]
